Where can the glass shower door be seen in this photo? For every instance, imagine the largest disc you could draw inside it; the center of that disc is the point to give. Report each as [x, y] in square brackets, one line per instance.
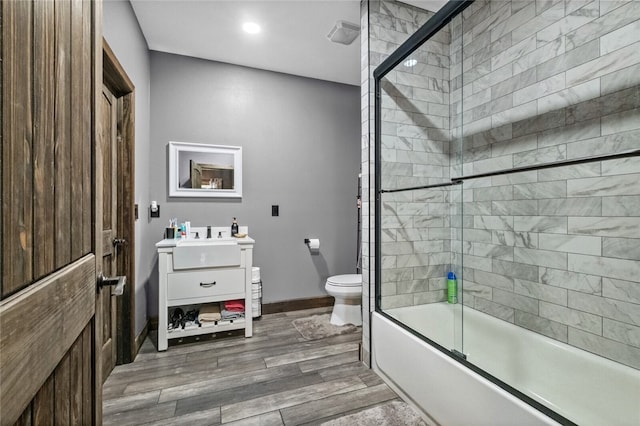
[455, 276]
[419, 209]
[507, 155]
[416, 259]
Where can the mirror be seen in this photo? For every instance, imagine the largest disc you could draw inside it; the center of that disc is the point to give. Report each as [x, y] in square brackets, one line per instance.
[202, 170]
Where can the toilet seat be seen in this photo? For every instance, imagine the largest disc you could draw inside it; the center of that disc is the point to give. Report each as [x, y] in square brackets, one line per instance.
[347, 280]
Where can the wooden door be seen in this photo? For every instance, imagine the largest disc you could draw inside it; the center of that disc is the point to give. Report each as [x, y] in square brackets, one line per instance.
[51, 60]
[118, 88]
[109, 147]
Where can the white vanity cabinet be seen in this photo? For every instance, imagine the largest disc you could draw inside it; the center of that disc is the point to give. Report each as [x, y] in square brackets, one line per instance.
[192, 273]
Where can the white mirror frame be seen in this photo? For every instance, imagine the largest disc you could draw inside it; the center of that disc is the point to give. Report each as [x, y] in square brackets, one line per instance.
[175, 148]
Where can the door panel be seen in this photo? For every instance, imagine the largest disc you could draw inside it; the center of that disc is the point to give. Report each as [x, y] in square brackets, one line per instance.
[17, 165]
[42, 406]
[66, 394]
[51, 59]
[43, 150]
[62, 135]
[46, 142]
[39, 326]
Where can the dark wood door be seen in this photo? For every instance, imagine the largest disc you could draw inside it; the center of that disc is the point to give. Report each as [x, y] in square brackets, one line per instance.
[51, 211]
[109, 144]
[119, 89]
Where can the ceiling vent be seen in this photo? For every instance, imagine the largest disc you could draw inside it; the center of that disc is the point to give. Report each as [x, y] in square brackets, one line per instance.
[344, 32]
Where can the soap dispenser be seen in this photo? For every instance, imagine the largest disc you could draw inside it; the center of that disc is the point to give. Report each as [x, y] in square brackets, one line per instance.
[234, 227]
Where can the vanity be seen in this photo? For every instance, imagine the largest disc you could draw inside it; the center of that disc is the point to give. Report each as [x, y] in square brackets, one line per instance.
[196, 272]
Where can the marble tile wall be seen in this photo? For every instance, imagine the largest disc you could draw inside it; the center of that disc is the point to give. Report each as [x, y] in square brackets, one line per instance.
[416, 246]
[555, 251]
[529, 82]
[385, 24]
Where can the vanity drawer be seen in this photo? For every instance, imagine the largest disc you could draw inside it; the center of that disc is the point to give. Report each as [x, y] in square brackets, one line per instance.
[188, 285]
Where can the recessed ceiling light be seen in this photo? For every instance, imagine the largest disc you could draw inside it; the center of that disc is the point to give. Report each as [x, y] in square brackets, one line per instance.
[410, 63]
[251, 27]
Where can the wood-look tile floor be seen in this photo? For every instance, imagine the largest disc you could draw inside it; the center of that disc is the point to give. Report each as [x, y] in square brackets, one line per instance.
[273, 378]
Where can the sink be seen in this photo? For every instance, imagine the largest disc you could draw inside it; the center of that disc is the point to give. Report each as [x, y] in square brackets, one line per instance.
[204, 241]
[216, 252]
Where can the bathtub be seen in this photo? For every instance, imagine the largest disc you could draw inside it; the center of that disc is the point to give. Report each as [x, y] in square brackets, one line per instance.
[582, 387]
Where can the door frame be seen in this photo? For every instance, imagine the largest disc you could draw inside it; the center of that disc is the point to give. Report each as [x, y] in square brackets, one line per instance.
[118, 82]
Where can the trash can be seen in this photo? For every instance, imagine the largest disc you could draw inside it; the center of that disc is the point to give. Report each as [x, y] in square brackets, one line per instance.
[256, 292]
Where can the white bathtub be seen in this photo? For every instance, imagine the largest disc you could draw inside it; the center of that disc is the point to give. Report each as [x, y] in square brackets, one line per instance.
[582, 387]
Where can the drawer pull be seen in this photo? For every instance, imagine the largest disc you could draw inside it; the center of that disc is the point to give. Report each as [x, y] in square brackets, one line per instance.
[207, 284]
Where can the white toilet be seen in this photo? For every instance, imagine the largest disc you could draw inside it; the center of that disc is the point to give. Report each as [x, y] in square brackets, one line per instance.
[347, 290]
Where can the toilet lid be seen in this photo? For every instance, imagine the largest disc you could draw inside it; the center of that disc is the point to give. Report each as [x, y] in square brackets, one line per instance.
[348, 280]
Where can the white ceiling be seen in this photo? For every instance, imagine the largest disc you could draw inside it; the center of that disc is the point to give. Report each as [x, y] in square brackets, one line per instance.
[293, 37]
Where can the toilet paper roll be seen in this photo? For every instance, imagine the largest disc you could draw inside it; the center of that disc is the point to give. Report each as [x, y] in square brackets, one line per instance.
[255, 274]
[314, 243]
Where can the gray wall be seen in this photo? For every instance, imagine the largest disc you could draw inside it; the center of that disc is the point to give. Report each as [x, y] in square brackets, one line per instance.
[300, 140]
[122, 32]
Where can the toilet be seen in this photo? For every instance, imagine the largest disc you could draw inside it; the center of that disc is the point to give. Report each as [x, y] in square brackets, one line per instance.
[347, 290]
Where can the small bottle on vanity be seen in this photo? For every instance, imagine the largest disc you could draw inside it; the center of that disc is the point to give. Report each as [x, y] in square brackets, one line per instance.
[234, 227]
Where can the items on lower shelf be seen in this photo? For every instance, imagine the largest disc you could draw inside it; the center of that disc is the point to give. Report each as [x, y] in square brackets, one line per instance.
[208, 315]
[232, 309]
[179, 319]
[256, 292]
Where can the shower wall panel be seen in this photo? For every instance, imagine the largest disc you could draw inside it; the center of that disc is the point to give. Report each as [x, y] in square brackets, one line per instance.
[384, 26]
[554, 250]
[416, 246]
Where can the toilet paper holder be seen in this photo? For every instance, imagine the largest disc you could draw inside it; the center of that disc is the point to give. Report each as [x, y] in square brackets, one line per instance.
[313, 244]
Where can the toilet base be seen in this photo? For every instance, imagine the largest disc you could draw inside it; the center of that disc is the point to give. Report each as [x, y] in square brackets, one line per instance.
[346, 311]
